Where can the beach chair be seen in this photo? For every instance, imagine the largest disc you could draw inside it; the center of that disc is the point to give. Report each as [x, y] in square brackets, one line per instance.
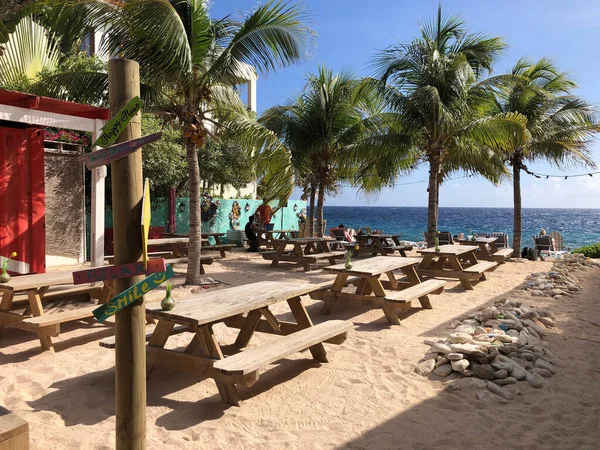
[558, 244]
[502, 241]
[543, 244]
[445, 238]
[341, 238]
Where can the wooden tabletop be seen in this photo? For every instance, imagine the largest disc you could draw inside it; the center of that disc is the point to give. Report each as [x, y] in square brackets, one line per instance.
[381, 236]
[39, 280]
[164, 241]
[211, 307]
[449, 250]
[303, 240]
[484, 240]
[371, 267]
[212, 234]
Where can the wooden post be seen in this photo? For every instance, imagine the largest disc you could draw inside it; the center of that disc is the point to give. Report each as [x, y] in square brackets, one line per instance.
[127, 188]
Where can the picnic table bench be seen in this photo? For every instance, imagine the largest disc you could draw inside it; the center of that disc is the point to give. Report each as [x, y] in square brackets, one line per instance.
[40, 287]
[14, 431]
[306, 251]
[392, 295]
[178, 251]
[218, 245]
[488, 251]
[267, 237]
[455, 261]
[247, 308]
[380, 244]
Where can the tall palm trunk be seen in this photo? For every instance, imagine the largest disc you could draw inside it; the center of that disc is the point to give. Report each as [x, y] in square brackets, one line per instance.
[517, 224]
[311, 213]
[433, 201]
[320, 203]
[193, 275]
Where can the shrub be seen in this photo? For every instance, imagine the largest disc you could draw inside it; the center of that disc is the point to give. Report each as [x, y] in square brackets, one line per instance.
[591, 251]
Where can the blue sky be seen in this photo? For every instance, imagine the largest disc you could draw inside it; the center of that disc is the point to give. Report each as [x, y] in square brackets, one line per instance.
[351, 31]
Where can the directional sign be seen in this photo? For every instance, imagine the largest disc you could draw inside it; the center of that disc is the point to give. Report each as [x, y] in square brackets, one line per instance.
[146, 216]
[114, 152]
[120, 271]
[115, 126]
[135, 292]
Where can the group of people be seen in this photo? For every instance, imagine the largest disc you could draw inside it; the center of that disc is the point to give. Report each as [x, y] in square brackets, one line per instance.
[263, 215]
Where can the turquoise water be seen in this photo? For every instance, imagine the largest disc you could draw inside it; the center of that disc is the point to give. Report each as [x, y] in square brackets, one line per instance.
[578, 226]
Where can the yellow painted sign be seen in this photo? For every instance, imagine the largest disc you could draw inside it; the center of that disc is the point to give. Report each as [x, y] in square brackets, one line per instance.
[146, 216]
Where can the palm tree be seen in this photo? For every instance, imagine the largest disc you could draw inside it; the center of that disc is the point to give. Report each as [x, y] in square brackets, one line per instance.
[193, 62]
[560, 126]
[434, 85]
[326, 129]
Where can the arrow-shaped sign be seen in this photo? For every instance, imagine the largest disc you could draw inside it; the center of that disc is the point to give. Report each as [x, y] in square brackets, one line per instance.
[118, 151]
[135, 292]
[115, 126]
[120, 271]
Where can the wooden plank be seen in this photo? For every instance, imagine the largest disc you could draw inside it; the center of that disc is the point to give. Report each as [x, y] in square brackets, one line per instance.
[211, 307]
[416, 291]
[145, 222]
[167, 241]
[120, 271]
[70, 315]
[449, 250]
[115, 126]
[481, 267]
[38, 281]
[109, 154]
[110, 341]
[301, 315]
[506, 252]
[11, 425]
[132, 294]
[256, 358]
[374, 266]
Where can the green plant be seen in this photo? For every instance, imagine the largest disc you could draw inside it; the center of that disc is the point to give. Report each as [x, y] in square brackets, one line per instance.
[591, 251]
[169, 286]
[6, 260]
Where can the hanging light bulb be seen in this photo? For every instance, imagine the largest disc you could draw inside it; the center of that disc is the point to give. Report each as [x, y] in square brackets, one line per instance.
[566, 178]
[547, 176]
[591, 175]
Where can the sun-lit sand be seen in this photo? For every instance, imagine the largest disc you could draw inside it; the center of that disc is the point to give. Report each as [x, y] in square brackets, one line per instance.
[368, 396]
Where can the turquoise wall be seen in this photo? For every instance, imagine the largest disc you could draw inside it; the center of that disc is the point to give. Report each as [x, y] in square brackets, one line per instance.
[225, 219]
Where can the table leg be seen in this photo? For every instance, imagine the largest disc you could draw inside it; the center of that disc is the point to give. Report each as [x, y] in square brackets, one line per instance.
[388, 308]
[392, 278]
[378, 247]
[159, 338]
[5, 305]
[303, 320]
[228, 391]
[248, 329]
[300, 255]
[279, 248]
[221, 250]
[493, 247]
[413, 279]
[338, 285]
[35, 303]
[456, 265]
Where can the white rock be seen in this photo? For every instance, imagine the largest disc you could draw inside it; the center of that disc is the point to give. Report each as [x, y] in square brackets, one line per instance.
[485, 396]
[425, 367]
[459, 338]
[465, 383]
[535, 380]
[543, 372]
[438, 347]
[455, 356]
[465, 329]
[460, 365]
[540, 363]
[537, 293]
[547, 321]
[499, 391]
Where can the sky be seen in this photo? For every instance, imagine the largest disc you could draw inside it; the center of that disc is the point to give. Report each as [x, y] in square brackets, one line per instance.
[350, 32]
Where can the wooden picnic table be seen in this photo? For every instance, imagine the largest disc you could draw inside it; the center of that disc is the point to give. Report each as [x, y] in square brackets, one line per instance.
[37, 288]
[266, 237]
[391, 295]
[180, 242]
[461, 261]
[378, 244]
[178, 251]
[488, 250]
[306, 251]
[247, 308]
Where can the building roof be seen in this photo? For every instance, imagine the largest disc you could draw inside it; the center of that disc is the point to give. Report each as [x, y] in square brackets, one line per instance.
[30, 101]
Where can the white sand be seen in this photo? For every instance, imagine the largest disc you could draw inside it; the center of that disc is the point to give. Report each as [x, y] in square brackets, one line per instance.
[368, 396]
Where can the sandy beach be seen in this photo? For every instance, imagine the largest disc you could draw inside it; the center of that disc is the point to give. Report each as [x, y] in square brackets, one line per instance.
[367, 397]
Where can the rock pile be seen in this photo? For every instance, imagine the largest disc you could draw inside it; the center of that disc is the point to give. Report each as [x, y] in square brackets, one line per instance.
[495, 347]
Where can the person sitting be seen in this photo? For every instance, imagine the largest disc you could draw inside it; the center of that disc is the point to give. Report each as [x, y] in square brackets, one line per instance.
[251, 235]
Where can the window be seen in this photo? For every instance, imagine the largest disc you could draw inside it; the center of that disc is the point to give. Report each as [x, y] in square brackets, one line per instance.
[87, 44]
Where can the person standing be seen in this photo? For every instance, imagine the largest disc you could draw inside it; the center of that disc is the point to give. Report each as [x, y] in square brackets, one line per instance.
[251, 235]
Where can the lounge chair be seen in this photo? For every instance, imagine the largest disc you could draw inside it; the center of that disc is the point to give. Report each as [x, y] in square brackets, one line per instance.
[342, 238]
[543, 244]
[445, 238]
[502, 241]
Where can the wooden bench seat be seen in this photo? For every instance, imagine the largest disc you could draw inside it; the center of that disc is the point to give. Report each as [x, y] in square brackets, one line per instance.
[50, 318]
[110, 341]
[88, 291]
[326, 255]
[14, 431]
[506, 252]
[255, 358]
[481, 267]
[416, 291]
[221, 248]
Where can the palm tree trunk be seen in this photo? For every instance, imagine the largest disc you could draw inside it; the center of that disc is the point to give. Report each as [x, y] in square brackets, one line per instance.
[311, 212]
[433, 201]
[517, 224]
[193, 275]
[320, 203]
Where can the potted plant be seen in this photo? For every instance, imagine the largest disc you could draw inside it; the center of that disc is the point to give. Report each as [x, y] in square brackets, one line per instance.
[437, 241]
[168, 303]
[351, 250]
[4, 275]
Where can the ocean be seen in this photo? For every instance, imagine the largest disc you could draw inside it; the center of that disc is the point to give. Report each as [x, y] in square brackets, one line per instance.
[578, 226]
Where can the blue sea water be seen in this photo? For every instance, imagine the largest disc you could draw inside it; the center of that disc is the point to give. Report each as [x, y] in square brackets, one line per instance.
[578, 226]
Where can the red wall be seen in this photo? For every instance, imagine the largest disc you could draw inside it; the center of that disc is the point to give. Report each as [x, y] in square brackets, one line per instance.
[22, 213]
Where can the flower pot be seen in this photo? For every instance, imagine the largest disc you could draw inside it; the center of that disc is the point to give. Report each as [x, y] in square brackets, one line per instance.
[348, 264]
[4, 277]
[167, 303]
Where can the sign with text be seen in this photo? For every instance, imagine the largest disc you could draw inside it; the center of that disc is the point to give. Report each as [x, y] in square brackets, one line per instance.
[120, 271]
[146, 216]
[118, 151]
[135, 292]
[115, 126]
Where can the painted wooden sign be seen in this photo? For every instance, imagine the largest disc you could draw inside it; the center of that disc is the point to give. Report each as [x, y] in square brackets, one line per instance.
[120, 271]
[115, 126]
[146, 216]
[118, 151]
[135, 292]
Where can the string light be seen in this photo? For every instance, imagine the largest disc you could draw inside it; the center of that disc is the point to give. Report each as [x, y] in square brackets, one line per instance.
[566, 177]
